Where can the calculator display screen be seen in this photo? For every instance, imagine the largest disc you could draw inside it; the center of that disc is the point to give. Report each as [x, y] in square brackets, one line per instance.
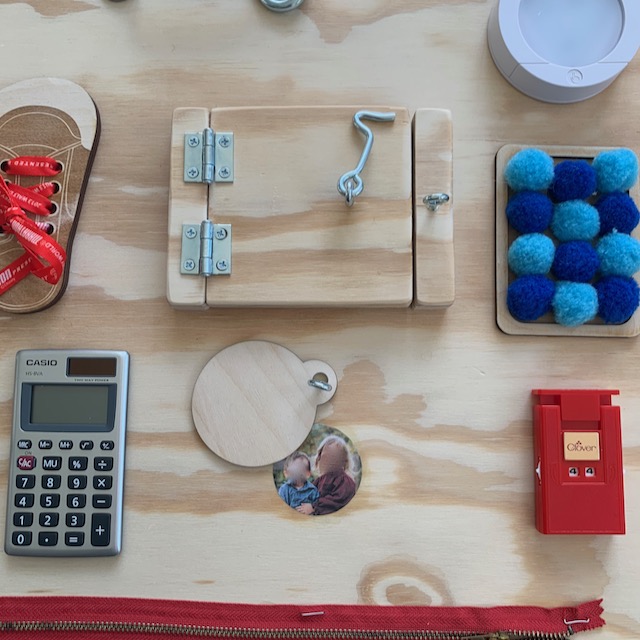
[68, 407]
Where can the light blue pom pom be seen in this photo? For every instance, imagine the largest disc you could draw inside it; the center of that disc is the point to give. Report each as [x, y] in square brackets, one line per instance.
[575, 220]
[574, 303]
[529, 170]
[619, 254]
[616, 170]
[531, 254]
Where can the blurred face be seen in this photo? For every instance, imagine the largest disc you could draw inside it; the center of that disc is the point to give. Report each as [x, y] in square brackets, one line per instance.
[297, 471]
[333, 457]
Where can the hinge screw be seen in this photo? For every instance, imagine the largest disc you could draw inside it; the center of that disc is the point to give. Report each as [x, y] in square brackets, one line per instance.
[193, 141]
[189, 265]
[221, 234]
[224, 141]
[224, 172]
[222, 265]
[191, 233]
[193, 172]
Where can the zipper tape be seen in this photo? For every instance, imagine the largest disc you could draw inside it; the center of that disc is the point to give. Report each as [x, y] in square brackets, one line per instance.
[79, 617]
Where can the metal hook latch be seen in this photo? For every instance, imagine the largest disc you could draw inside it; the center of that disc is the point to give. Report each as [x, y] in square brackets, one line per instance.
[350, 184]
[434, 200]
[281, 5]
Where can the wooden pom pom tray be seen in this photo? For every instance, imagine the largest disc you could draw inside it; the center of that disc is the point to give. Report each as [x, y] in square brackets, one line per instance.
[282, 234]
[505, 235]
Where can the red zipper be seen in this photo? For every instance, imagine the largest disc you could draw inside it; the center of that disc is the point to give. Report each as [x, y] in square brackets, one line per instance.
[85, 618]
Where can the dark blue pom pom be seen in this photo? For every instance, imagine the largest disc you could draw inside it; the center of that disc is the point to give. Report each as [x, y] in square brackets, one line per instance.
[617, 211]
[530, 297]
[577, 261]
[573, 180]
[529, 212]
[618, 298]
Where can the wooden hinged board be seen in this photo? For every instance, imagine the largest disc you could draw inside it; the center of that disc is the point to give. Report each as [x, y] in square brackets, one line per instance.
[295, 243]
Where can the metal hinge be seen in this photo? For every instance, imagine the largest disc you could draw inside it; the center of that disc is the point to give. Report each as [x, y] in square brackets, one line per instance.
[208, 156]
[206, 249]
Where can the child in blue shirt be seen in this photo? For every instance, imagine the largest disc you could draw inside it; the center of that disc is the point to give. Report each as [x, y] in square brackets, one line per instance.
[297, 489]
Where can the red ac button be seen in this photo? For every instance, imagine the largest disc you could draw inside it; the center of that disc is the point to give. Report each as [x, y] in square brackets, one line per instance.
[26, 463]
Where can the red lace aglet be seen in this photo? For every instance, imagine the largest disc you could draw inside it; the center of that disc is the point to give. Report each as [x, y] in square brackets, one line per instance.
[31, 166]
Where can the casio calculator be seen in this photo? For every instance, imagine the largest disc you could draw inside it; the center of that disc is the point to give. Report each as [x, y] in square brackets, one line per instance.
[66, 463]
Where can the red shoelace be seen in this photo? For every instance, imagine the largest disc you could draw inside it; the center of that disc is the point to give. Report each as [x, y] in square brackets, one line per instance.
[43, 256]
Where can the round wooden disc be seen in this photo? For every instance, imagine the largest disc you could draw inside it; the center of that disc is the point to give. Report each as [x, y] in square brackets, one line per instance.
[253, 405]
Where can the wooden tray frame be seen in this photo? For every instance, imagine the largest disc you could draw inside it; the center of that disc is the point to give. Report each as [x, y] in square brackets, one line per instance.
[505, 235]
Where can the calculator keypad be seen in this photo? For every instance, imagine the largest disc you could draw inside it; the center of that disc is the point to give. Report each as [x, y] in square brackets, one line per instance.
[63, 496]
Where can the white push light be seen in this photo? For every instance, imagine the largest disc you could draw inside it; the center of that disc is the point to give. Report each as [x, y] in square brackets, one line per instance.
[563, 50]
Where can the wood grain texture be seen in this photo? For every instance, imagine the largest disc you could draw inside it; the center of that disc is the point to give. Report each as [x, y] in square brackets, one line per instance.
[295, 242]
[437, 403]
[434, 265]
[187, 204]
[505, 235]
[253, 405]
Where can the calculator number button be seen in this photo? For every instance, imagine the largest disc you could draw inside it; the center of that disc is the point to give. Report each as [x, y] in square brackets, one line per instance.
[75, 520]
[25, 482]
[78, 463]
[50, 500]
[24, 500]
[22, 519]
[51, 482]
[103, 463]
[100, 529]
[52, 463]
[49, 519]
[47, 538]
[76, 501]
[77, 482]
[102, 483]
[21, 538]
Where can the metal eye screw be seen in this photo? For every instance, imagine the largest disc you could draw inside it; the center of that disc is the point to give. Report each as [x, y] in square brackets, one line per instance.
[281, 5]
[434, 200]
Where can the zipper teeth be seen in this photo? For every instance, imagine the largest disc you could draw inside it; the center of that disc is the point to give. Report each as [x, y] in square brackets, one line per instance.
[269, 634]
